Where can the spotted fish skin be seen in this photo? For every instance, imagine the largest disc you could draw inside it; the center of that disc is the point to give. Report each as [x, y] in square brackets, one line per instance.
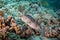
[31, 23]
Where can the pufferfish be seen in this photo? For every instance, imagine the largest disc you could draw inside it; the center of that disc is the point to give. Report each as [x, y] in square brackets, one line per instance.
[30, 22]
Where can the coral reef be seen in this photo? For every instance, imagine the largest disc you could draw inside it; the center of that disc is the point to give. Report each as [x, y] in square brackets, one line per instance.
[42, 19]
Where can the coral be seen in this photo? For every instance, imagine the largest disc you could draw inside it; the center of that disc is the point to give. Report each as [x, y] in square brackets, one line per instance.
[42, 12]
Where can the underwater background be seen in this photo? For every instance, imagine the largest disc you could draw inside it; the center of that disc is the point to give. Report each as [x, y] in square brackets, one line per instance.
[35, 8]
